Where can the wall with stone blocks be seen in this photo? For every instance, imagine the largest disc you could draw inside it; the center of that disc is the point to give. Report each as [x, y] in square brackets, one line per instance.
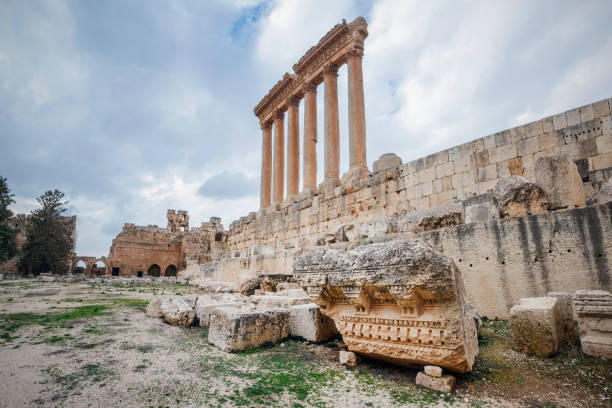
[507, 259]
[585, 134]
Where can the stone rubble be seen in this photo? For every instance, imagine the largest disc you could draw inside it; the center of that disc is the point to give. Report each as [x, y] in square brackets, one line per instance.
[348, 358]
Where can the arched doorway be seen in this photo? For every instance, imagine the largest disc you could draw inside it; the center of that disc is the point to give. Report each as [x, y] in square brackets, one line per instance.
[154, 270]
[170, 271]
[79, 267]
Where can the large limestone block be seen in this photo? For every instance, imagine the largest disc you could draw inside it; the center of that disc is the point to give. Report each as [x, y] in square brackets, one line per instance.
[594, 313]
[308, 322]
[398, 301]
[154, 306]
[273, 301]
[203, 310]
[517, 197]
[559, 178]
[535, 326]
[232, 329]
[605, 192]
[567, 334]
[386, 162]
[177, 312]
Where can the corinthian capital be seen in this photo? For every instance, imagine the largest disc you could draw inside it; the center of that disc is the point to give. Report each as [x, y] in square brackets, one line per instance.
[279, 114]
[310, 87]
[355, 53]
[330, 69]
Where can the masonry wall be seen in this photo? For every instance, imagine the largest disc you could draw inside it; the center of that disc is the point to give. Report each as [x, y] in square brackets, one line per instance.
[585, 134]
[504, 260]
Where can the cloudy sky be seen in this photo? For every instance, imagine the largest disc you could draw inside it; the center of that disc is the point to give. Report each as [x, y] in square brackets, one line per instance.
[133, 107]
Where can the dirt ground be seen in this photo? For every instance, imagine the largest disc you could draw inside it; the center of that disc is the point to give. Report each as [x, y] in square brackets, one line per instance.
[82, 345]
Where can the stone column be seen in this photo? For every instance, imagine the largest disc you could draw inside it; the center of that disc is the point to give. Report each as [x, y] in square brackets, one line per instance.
[278, 183]
[293, 149]
[357, 134]
[332, 125]
[310, 136]
[266, 165]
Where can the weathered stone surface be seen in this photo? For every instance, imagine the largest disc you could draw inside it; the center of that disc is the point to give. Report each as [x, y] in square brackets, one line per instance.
[535, 326]
[204, 310]
[445, 383]
[475, 316]
[248, 286]
[398, 301]
[443, 221]
[482, 212]
[605, 192]
[594, 314]
[232, 329]
[348, 358]
[517, 197]
[386, 161]
[567, 333]
[559, 179]
[274, 301]
[433, 371]
[154, 306]
[308, 322]
[177, 312]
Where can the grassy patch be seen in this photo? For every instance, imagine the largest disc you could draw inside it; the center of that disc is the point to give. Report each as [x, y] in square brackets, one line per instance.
[10, 323]
[128, 302]
[88, 373]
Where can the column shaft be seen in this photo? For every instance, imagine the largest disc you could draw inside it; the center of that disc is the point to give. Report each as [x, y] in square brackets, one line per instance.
[357, 133]
[266, 166]
[310, 137]
[278, 183]
[332, 125]
[293, 150]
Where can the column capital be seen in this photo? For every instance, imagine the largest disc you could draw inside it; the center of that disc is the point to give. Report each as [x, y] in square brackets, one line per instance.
[279, 114]
[354, 52]
[330, 69]
[265, 125]
[295, 101]
[310, 87]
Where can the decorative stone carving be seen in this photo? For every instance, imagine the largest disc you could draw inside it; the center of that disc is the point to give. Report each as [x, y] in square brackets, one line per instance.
[398, 301]
[594, 314]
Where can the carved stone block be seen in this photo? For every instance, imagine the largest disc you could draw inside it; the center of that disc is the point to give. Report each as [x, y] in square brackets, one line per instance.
[399, 301]
[594, 313]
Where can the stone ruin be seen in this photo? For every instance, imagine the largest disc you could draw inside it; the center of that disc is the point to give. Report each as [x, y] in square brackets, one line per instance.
[398, 301]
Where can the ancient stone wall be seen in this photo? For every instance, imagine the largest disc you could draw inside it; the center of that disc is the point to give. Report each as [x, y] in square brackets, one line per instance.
[503, 260]
[584, 134]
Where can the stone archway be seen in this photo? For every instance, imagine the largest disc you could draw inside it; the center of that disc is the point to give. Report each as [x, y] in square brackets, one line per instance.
[79, 267]
[170, 271]
[154, 270]
[98, 267]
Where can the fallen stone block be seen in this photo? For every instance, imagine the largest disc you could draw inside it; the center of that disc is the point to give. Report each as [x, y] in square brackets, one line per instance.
[567, 334]
[535, 326]
[559, 179]
[308, 322]
[177, 312]
[231, 329]
[274, 301]
[203, 311]
[348, 358]
[594, 314]
[248, 286]
[398, 301]
[445, 383]
[154, 306]
[518, 197]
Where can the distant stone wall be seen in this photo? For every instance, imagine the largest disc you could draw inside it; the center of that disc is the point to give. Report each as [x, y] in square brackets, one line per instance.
[584, 134]
[507, 259]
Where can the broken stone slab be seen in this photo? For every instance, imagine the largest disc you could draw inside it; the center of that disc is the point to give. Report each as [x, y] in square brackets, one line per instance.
[559, 179]
[308, 322]
[348, 358]
[594, 314]
[445, 383]
[232, 329]
[154, 306]
[248, 286]
[399, 301]
[535, 326]
[567, 334]
[518, 197]
[177, 312]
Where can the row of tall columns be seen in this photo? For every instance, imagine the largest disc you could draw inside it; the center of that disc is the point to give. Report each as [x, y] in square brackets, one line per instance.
[273, 168]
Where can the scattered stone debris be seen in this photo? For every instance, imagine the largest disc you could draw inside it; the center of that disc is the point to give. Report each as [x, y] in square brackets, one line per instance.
[348, 358]
[594, 314]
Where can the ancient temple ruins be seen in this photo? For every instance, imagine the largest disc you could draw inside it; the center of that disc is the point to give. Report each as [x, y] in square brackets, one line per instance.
[342, 45]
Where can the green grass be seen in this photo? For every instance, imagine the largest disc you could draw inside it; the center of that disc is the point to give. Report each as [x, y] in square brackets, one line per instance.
[11, 323]
[91, 372]
[128, 302]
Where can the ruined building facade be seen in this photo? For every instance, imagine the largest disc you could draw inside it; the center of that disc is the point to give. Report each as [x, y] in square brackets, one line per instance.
[155, 251]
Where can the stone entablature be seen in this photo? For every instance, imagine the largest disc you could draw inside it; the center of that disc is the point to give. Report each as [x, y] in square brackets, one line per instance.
[342, 45]
[584, 134]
